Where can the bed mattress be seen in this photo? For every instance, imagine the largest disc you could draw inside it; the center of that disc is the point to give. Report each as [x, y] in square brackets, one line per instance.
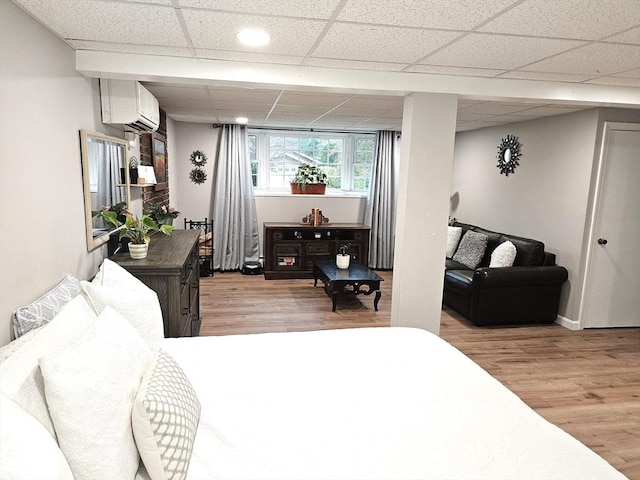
[383, 403]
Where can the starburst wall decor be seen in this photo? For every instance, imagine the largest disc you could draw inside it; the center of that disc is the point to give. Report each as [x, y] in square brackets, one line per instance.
[508, 155]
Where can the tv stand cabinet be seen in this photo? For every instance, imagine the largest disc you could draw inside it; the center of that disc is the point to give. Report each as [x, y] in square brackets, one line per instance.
[291, 248]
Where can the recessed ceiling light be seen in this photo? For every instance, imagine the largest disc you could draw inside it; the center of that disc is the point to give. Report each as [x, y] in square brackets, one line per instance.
[242, 120]
[253, 37]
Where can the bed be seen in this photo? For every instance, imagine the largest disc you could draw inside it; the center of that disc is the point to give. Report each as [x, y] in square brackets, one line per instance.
[369, 403]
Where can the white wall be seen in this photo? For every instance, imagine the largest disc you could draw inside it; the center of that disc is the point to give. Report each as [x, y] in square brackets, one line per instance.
[547, 197]
[44, 104]
[194, 201]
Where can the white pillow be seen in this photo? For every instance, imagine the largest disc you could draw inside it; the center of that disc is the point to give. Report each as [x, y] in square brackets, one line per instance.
[165, 419]
[28, 451]
[503, 255]
[90, 388]
[116, 287]
[20, 373]
[453, 237]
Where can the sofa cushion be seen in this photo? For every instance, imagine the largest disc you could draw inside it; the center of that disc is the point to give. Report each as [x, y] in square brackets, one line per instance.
[459, 281]
[530, 253]
[471, 249]
[503, 255]
[453, 238]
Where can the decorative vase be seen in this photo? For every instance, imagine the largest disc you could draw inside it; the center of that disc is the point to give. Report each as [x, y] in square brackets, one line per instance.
[138, 251]
[342, 261]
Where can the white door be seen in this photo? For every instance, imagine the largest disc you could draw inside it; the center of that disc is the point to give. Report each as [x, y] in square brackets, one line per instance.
[612, 293]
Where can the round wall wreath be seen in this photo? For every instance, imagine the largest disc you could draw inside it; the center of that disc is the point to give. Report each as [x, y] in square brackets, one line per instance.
[508, 154]
[198, 158]
[197, 175]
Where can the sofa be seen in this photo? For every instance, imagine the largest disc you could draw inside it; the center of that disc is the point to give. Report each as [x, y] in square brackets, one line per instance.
[496, 278]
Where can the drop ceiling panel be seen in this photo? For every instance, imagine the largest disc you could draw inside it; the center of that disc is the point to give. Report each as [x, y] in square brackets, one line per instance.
[217, 31]
[437, 14]
[576, 19]
[498, 51]
[320, 9]
[380, 43]
[594, 59]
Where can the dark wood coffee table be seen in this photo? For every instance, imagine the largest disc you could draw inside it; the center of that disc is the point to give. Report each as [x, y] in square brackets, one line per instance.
[358, 279]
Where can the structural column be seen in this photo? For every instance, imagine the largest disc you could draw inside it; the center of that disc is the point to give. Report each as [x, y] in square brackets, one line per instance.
[424, 188]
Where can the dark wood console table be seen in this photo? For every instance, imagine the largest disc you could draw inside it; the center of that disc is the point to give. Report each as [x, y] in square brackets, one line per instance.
[358, 279]
[171, 270]
[290, 248]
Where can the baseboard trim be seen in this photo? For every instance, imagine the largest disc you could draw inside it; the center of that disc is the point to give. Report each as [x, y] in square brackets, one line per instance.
[567, 323]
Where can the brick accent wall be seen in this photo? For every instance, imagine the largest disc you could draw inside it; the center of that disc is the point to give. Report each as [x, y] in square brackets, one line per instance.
[151, 194]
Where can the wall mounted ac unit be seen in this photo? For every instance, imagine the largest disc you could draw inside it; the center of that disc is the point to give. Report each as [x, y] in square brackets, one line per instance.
[128, 103]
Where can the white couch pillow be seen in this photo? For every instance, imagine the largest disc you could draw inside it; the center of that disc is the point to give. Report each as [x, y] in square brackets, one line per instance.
[21, 376]
[165, 419]
[453, 237]
[90, 388]
[116, 287]
[503, 255]
[27, 450]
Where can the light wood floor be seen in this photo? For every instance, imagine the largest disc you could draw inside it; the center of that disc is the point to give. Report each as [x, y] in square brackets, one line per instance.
[586, 382]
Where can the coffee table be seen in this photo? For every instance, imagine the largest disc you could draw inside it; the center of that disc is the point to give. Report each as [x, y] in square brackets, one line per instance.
[358, 279]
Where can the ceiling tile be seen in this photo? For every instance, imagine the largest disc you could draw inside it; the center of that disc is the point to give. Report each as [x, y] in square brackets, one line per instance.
[443, 70]
[577, 19]
[505, 52]
[594, 59]
[130, 48]
[249, 57]
[217, 31]
[631, 36]
[243, 95]
[328, 100]
[549, 110]
[355, 64]
[546, 77]
[458, 14]
[384, 103]
[321, 9]
[494, 108]
[380, 44]
[617, 81]
[112, 22]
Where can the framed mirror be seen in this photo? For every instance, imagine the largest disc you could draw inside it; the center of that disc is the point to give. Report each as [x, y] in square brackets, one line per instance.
[105, 179]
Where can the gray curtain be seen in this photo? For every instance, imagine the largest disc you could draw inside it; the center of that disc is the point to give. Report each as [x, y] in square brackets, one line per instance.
[380, 213]
[105, 160]
[235, 224]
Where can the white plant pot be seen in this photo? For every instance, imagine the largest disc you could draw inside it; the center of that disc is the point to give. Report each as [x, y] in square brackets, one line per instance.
[138, 251]
[342, 261]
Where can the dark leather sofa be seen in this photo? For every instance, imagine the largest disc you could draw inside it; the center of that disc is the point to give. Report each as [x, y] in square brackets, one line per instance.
[527, 292]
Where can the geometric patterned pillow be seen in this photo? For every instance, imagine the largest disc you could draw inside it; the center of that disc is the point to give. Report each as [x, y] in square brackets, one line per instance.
[471, 249]
[165, 418]
[46, 307]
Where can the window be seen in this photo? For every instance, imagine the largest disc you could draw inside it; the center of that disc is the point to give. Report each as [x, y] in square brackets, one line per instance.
[345, 158]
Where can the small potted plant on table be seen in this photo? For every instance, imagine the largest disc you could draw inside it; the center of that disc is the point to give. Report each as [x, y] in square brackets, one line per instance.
[342, 257]
[309, 179]
[138, 231]
[161, 214]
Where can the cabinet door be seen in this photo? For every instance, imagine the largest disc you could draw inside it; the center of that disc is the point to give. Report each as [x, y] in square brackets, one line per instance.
[316, 249]
[287, 256]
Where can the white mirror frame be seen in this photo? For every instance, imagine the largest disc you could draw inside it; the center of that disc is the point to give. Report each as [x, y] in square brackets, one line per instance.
[94, 242]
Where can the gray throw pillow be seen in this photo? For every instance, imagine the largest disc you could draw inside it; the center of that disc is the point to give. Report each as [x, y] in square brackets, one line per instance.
[471, 249]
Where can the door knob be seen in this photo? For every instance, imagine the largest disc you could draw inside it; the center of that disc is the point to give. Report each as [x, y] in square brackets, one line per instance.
[602, 241]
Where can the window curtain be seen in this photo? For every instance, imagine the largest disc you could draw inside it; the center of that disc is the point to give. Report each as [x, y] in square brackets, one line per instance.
[380, 213]
[107, 158]
[235, 223]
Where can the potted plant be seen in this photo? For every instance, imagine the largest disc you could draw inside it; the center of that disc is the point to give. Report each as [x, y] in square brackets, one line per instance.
[138, 231]
[342, 257]
[161, 214]
[119, 209]
[309, 179]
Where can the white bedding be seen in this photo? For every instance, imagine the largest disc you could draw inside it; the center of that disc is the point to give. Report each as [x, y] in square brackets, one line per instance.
[365, 403]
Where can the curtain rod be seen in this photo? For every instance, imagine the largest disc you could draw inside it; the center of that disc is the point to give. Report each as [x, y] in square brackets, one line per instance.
[298, 129]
